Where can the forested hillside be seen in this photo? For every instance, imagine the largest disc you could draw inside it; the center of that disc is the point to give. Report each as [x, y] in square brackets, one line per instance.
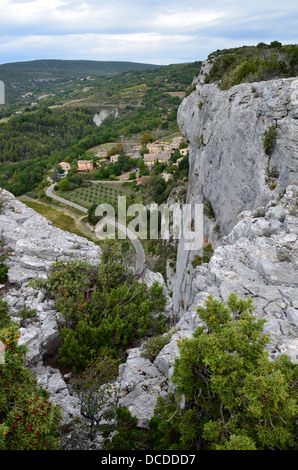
[37, 75]
[54, 128]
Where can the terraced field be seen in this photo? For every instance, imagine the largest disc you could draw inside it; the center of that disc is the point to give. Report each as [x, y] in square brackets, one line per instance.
[97, 193]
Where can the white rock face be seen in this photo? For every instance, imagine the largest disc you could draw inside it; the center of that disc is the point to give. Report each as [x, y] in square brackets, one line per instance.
[228, 164]
[102, 115]
[34, 244]
[258, 259]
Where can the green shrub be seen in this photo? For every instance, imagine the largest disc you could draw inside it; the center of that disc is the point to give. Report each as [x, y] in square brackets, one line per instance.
[95, 390]
[190, 90]
[154, 345]
[270, 135]
[4, 317]
[208, 210]
[103, 307]
[252, 64]
[3, 273]
[125, 433]
[205, 258]
[235, 397]
[207, 253]
[28, 420]
[3, 268]
[197, 261]
[27, 312]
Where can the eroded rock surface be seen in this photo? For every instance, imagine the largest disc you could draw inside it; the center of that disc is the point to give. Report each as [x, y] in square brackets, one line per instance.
[229, 168]
[34, 244]
[258, 259]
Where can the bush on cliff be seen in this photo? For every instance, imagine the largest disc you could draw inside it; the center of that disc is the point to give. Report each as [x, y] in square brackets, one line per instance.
[103, 308]
[253, 64]
[234, 397]
[3, 267]
[28, 421]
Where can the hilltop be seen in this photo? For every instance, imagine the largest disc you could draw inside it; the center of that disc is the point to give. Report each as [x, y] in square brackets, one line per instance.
[253, 64]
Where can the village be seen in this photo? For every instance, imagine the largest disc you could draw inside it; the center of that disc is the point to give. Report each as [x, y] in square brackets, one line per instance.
[157, 151]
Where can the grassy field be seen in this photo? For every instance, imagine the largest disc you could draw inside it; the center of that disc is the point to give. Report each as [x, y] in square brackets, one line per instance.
[104, 148]
[97, 194]
[62, 219]
[72, 222]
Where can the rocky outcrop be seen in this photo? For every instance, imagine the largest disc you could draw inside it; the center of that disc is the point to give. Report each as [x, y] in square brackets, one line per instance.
[34, 244]
[258, 259]
[103, 114]
[229, 168]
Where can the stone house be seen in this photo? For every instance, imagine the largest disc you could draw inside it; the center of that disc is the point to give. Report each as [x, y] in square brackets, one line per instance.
[150, 158]
[184, 151]
[154, 147]
[85, 165]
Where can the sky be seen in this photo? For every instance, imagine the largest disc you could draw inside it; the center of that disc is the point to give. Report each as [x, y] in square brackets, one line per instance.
[154, 32]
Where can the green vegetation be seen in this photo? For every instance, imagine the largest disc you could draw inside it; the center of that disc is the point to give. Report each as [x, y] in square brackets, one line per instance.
[3, 267]
[157, 187]
[96, 194]
[61, 128]
[208, 210]
[234, 396]
[28, 312]
[28, 420]
[206, 256]
[94, 388]
[190, 89]
[30, 141]
[38, 76]
[104, 308]
[154, 345]
[60, 219]
[33, 135]
[270, 135]
[253, 63]
[126, 433]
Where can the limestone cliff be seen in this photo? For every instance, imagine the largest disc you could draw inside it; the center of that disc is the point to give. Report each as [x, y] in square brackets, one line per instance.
[34, 244]
[258, 259]
[229, 168]
[252, 225]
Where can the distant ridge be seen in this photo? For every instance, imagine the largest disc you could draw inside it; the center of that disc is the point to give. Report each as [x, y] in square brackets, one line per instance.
[81, 67]
[19, 77]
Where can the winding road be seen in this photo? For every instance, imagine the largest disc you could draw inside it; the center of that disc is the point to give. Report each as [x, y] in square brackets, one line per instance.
[49, 192]
[131, 235]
